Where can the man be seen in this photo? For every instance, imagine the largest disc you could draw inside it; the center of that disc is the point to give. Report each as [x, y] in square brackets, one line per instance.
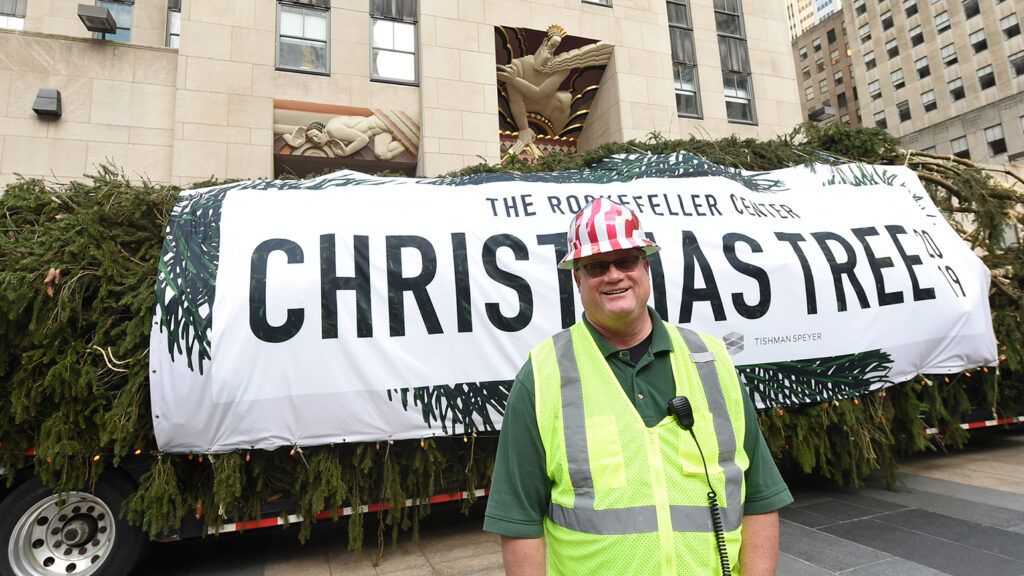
[592, 466]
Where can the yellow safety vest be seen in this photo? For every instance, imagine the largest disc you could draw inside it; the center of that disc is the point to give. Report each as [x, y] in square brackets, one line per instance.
[627, 499]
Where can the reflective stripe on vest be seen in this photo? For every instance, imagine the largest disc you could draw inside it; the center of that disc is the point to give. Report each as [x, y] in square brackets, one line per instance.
[582, 517]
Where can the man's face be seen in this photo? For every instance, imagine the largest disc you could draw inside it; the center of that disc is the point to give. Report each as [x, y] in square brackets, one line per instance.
[615, 299]
[317, 136]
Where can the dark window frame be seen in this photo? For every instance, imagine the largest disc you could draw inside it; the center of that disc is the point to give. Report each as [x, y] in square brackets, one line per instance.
[409, 16]
[997, 146]
[683, 62]
[971, 9]
[922, 71]
[964, 153]
[312, 7]
[929, 105]
[903, 111]
[956, 93]
[988, 79]
[734, 54]
[978, 46]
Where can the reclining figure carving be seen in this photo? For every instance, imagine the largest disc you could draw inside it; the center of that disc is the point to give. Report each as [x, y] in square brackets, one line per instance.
[346, 135]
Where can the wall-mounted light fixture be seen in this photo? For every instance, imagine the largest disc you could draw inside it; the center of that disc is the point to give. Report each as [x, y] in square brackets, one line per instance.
[97, 19]
[47, 103]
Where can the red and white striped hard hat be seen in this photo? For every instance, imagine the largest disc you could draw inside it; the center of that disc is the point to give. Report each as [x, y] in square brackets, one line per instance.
[604, 226]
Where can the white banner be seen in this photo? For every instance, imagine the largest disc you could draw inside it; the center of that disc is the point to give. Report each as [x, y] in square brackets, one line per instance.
[352, 308]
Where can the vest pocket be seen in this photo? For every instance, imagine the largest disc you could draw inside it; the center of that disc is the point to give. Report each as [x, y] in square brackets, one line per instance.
[606, 464]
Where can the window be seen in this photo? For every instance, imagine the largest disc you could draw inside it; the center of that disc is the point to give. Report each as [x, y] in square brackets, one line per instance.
[684, 59]
[1010, 26]
[869, 59]
[892, 48]
[971, 9]
[910, 7]
[807, 73]
[896, 77]
[838, 77]
[302, 37]
[816, 44]
[948, 53]
[886, 19]
[994, 137]
[598, 2]
[928, 150]
[978, 41]
[903, 109]
[916, 36]
[959, 146]
[809, 93]
[845, 119]
[732, 48]
[803, 50]
[823, 87]
[729, 20]
[864, 32]
[12, 14]
[923, 71]
[942, 22]
[819, 64]
[874, 89]
[393, 33]
[834, 56]
[122, 12]
[880, 120]
[956, 89]
[831, 35]
[859, 7]
[841, 99]
[173, 23]
[928, 100]
[739, 97]
[986, 79]
[1017, 63]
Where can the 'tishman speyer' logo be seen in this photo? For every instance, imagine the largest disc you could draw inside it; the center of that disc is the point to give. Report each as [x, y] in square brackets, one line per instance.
[733, 343]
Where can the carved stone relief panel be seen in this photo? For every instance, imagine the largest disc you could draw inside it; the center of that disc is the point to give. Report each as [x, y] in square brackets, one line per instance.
[546, 84]
[312, 136]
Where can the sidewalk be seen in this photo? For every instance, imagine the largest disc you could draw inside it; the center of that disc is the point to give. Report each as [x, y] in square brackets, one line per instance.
[961, 514]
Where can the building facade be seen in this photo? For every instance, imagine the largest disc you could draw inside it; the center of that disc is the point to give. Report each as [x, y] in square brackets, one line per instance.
[944, 77]
[183, 90]
[805, 14]
[825, 73]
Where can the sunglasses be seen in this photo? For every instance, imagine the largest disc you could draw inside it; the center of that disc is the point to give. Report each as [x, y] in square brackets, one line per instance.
[624, 265]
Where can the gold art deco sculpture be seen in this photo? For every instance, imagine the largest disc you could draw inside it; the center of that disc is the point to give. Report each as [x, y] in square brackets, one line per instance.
[532, 83]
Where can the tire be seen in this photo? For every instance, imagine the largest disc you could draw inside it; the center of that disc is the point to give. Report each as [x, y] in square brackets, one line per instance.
[84, 537]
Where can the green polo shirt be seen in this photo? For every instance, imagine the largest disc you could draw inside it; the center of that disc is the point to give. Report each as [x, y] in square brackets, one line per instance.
[520, 487]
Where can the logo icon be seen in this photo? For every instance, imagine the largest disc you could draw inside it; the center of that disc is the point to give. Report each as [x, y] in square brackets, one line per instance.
[733, 343]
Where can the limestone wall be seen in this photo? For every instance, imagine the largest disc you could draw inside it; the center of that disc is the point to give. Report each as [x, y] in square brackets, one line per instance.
[118, 104]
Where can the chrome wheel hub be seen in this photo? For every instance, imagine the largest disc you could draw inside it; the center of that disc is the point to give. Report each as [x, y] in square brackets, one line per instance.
[70, 537]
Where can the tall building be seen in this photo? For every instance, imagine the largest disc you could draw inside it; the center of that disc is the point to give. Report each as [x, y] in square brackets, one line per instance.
[801, 15]
[182, 90]
[804, 14]
[944, 77]
[825, 74]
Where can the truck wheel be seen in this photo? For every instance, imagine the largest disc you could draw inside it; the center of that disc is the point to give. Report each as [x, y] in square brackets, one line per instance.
[42, 534]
